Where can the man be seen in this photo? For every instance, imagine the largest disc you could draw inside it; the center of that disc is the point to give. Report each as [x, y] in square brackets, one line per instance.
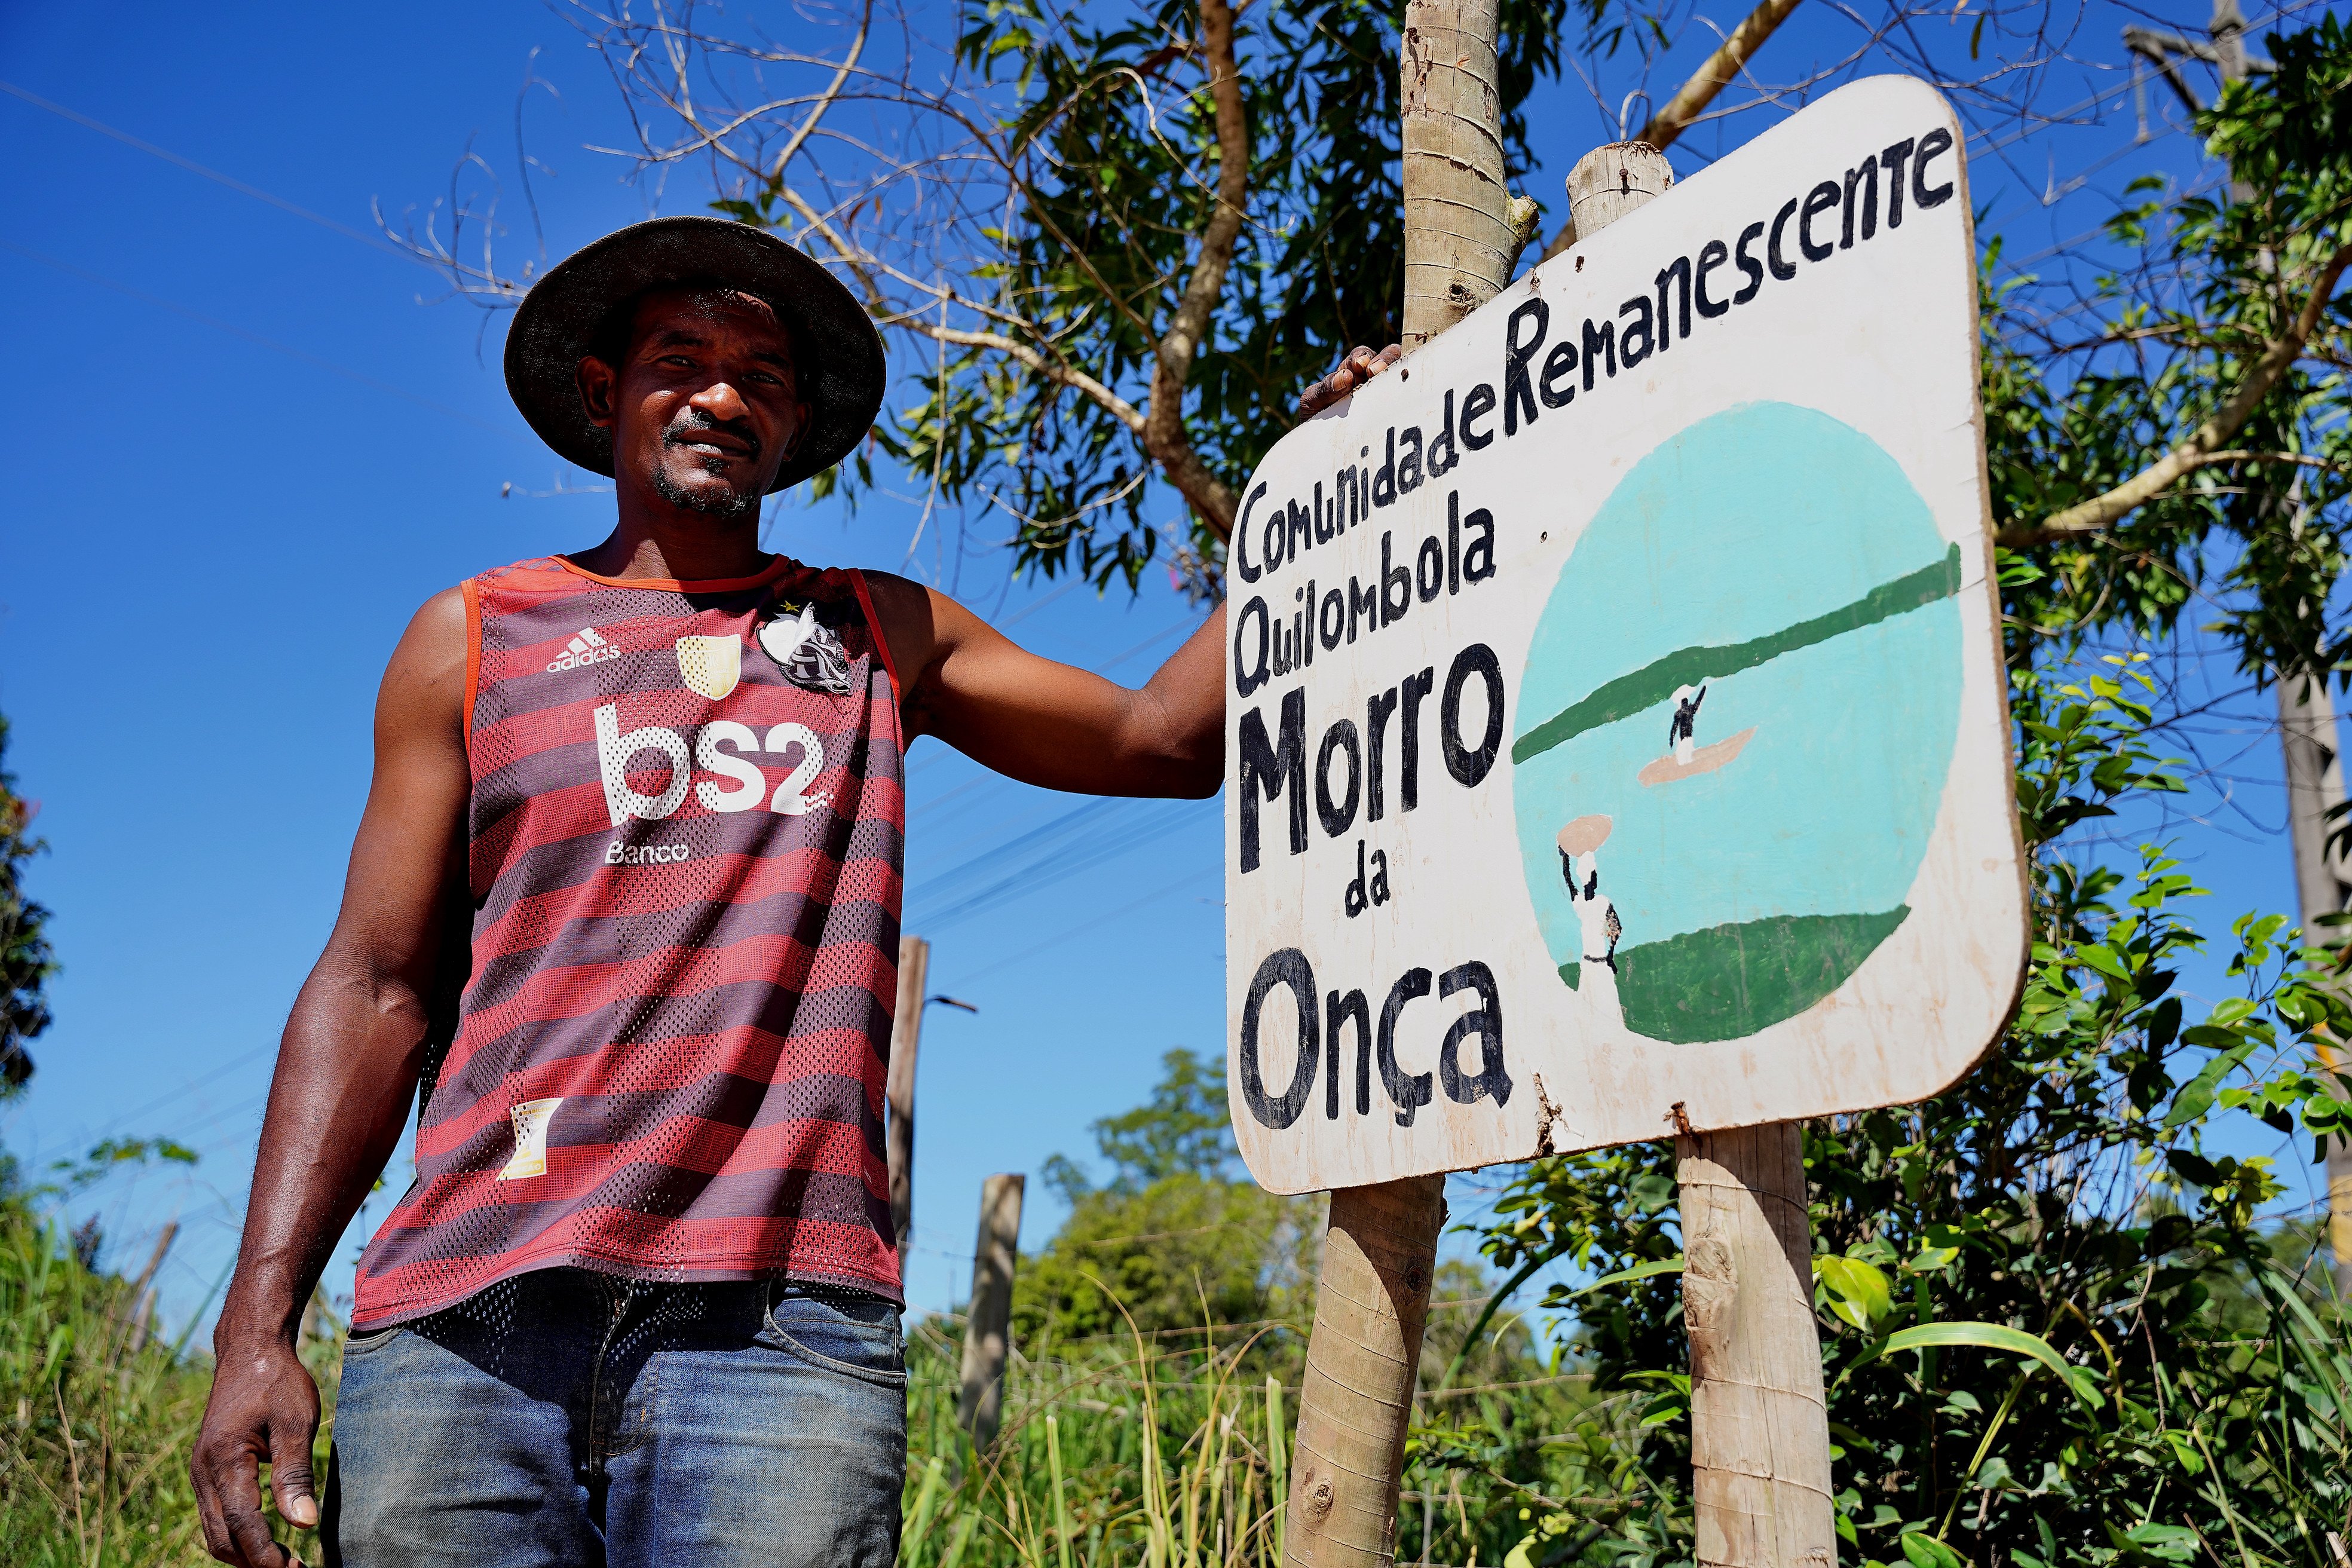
[624, 902]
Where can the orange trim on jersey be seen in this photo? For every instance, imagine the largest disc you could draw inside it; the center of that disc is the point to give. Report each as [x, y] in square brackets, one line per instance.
[881, 638]
[471, 592]
[774, 569]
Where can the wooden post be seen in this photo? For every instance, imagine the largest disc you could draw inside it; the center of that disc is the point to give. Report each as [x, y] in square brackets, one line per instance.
[1379, 1248]
[987, 1331]
[1459, 241]
[1759, 1424]
[1760, 1427]
[1363, 1360]
[905, 1036]
[140, 1299]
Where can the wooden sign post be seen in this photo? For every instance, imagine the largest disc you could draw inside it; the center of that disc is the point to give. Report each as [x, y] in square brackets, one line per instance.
[988, 1326]
[1620, 743]
[905, 1040]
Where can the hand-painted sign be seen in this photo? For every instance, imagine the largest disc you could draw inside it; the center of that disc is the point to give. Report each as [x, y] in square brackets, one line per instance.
[1616, 708]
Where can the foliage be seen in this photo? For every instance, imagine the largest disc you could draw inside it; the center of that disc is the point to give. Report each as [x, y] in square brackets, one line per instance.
[2062, 1194]
[1171, 1450]
[1112, 130]
[27, 962]
[1184, 1250]
[2194, 290]
[1173, 1237]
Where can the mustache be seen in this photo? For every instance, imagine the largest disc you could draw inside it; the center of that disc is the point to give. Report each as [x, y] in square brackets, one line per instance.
[693, 421]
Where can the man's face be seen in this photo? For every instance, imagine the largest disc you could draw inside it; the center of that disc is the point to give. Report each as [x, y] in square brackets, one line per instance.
[703, 407]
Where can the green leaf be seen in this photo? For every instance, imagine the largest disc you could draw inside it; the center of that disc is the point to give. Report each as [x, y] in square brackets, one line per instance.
[1995, 1337]
[1625, 1275]
[2195, 1097]
[1860, 1293]
[1926, 1551]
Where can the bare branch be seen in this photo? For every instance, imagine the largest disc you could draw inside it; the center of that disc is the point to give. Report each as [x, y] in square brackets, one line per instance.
[1119, 407]
[1722, 68]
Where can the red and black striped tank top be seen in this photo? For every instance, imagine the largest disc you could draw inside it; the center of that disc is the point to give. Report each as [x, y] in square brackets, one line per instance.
[684, 843]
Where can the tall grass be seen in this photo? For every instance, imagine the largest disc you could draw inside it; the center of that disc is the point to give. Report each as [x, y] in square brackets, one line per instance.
[94, 1424]
[1134, 1451]
[1110, 1453]
[1171, 1451]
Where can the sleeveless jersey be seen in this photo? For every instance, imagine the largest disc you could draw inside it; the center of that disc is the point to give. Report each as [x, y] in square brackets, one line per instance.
[685, 853]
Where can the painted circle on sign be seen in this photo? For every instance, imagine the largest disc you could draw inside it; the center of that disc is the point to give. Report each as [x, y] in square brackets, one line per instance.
[1739, 711]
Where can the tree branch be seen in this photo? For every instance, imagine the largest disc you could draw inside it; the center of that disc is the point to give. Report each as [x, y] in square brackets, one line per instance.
[1119, 407]
[1164, 437]
[1721, 69]
[2201, 448]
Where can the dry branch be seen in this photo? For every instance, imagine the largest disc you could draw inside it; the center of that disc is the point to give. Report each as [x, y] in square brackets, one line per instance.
[1722, 68]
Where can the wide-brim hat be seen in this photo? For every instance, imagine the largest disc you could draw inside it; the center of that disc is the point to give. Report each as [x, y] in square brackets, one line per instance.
[836, 354]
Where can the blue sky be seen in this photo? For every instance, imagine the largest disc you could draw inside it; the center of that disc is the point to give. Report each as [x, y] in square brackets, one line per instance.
[243, 444]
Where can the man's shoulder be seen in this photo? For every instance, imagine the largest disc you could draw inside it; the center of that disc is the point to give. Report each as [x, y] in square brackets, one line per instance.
[537, 573]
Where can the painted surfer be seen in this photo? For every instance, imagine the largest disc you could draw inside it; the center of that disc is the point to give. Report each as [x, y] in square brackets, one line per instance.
[1682, 729]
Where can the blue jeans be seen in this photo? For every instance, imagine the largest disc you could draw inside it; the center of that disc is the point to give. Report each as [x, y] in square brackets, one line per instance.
[575, 1420]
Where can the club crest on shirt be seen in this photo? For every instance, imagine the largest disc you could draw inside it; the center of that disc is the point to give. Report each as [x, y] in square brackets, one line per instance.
[711, 666]
[808, 651]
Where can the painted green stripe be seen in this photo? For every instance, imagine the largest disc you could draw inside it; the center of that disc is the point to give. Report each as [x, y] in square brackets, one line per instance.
[1655, 682]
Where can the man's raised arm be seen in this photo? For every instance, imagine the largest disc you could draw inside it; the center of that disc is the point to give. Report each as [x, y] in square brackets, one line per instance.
[346, 1068]
[1052, 724]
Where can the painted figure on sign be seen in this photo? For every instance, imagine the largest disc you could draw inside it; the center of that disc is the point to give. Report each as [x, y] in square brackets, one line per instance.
[1580, 866]
[1682, 729]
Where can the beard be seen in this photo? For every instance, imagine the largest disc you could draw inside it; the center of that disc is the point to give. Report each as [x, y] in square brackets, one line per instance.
[726, 503]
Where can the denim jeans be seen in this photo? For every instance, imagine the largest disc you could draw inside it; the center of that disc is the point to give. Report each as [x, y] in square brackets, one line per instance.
[575, 1420]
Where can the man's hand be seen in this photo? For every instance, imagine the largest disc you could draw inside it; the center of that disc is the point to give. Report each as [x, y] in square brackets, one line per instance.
[264, 1406]
[1361, 366]
[346, 1072]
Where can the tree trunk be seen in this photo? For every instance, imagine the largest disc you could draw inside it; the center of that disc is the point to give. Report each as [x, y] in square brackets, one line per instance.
[1381, 1247]
[1362, 1363]
[2315, 784]
[1458, 239]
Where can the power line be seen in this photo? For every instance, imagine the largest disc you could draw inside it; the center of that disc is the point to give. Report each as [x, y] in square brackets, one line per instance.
[1062, 867]
[184, 1089]
[255, 338]
[1094, 922]
[191, 166]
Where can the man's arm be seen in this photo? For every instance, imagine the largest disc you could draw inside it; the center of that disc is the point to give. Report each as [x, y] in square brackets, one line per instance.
[346, 1068]
[1051, 724]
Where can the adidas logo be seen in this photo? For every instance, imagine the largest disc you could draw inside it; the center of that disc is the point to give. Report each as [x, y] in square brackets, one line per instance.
[584, 650]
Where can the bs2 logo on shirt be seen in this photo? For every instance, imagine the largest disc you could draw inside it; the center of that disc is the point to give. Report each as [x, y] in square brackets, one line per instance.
[722, 747]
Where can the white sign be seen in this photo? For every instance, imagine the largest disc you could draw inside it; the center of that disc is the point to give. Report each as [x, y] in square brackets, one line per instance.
[1615, 705]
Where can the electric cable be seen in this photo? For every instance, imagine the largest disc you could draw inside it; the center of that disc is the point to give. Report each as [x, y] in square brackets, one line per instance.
[191, 166]
[256, 338]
